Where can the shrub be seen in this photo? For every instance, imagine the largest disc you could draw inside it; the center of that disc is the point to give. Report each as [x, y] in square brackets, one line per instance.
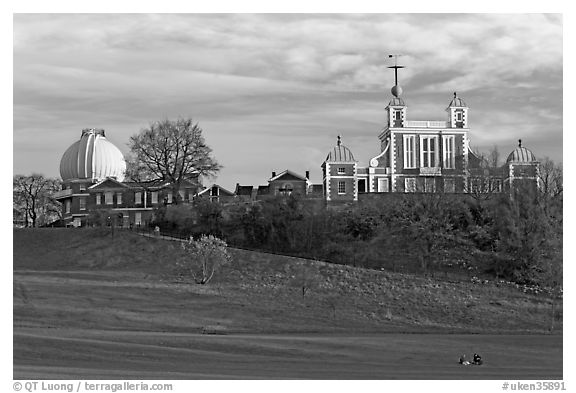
[203, 258]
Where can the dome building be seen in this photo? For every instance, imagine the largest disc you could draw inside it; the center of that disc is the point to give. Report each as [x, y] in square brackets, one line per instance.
[93, 157]
[423, 156]
[523, 169]
[93, 187]
[339, 174]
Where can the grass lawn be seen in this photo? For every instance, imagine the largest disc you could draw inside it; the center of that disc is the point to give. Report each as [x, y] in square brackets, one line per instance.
[89, 305]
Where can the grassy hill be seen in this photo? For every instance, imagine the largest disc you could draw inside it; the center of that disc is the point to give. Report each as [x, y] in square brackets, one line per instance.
[92, 277]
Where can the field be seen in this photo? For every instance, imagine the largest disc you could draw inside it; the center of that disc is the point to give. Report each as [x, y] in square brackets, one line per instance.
[95, 306]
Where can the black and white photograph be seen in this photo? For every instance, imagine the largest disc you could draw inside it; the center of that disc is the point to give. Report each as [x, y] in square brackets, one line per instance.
[287, 196]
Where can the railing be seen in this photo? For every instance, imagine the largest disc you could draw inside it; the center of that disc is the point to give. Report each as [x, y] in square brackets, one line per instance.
[62, 193]
[426, 124]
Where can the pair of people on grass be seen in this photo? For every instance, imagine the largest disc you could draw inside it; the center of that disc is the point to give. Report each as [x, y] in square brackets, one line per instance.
[476, 360]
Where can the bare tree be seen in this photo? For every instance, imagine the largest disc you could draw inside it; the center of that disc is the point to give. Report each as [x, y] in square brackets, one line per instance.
[203, 258]
[32, 197]
[551, 178]
[170, 151]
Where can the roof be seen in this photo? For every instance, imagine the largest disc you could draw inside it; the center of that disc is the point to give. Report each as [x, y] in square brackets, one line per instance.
[222, 190]
[396, 101]
[521, 154]
[92, 157]
[457, 102]
[340, 153]
[289, 175]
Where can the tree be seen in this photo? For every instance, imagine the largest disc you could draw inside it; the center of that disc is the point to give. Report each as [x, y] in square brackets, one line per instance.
[304, 276]
[170, 151]
[203, 258]
[32, 198]
[551, 178]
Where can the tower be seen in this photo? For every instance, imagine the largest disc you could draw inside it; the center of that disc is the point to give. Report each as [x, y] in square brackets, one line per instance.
[457, 113]
[396, 107]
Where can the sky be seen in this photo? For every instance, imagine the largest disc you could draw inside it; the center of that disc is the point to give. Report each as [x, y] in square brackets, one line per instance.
[273, 91]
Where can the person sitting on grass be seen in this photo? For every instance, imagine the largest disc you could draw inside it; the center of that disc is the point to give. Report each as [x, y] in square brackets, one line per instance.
[477, 359]
[463, 360]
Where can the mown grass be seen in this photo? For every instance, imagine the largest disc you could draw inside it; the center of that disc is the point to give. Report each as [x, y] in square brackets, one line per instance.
[257, 293]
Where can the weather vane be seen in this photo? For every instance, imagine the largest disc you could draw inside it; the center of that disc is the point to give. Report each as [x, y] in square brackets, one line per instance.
[395, 66]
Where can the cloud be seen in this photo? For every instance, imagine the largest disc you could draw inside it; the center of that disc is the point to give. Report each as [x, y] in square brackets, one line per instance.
[266, 76]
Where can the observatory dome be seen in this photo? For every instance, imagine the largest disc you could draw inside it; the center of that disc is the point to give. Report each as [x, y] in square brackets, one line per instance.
[92, 157]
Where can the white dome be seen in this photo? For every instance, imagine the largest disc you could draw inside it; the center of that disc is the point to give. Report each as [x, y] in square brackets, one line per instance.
[92, 157]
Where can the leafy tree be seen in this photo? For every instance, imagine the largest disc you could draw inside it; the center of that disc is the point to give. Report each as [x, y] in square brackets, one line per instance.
[203, 258]
[170, 151]
[32, 198]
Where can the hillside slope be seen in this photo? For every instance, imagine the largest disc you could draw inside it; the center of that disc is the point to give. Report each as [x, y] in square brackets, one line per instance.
[94, 278]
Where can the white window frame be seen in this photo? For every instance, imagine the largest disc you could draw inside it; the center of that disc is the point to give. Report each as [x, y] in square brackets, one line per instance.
[448, 151]
[109, 198]
[182, 194]
[137, 218]
[82, 203]
[98, 199]
[341, 187]
[383, 185]
[68, 205]
[409, 146]
[82, 187]
[138, 198]
[118, 198]
[341, 170]
[154, 197]
[169, 197]
[410, 184]
[428, 155]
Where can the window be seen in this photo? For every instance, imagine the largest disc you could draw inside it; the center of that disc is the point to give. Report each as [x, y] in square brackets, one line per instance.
[119, 198]
[496, 185]
[82, 203]
[169, 197]
[428, 149]
[341, 171]
[409, 151]
[383, 185]
[341, 187]
[108, 198]
[449, 186]
[182, 194]
[67, 204]
[429, 184]
[448, 151]
[82, 187]
[138, 219]
[410, 184]
[98, 199]
[138, 198]
[154, 196]
[398, 119]
[458, 116]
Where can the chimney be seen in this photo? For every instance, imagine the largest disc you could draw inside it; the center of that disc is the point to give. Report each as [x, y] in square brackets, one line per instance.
[273, 174]
[308, 175]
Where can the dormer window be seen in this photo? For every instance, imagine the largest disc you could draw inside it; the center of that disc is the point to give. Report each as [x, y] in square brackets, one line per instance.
[341, 171]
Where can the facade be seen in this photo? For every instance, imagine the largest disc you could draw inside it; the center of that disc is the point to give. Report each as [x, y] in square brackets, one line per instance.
[92, 170]
[415, 157]
[424, 157]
